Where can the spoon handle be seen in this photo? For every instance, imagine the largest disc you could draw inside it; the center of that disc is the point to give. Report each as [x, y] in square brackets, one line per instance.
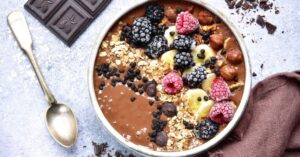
[19, 27]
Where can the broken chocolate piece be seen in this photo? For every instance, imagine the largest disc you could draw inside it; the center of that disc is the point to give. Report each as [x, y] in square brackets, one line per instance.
[67, 19]
[271, 28]
[260, 20]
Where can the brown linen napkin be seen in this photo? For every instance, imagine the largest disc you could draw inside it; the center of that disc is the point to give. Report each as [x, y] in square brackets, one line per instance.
[270, 126]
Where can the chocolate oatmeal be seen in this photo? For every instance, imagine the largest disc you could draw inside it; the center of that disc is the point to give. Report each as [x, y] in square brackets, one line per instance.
[169, 75]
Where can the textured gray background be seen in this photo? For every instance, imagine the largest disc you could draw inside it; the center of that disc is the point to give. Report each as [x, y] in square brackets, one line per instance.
[22, 105]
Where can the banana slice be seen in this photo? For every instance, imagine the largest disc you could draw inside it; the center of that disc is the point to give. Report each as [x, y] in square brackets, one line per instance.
[168, 58]
[206, 84]
[194, 99]
[208, 53]
[170, 34]
[204, 109]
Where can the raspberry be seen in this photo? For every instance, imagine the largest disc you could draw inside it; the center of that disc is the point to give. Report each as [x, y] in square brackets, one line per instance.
[222, 112]
[219, 90]
[186, 23]
[206, 129]
[172, 83]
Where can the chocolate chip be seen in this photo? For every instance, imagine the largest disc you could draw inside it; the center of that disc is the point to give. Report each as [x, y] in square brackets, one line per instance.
[172, 33]
[151, 102]
[271, 28]
[139, 77]
[254, 74]
[199, 98]
[121, 71]
[132, 64]
[205, 98]
[150, 88]
[161, 139]
[262, 66]
[169, 109]
[141, 92]
[132, 99]
[188, 125]
[145, 79]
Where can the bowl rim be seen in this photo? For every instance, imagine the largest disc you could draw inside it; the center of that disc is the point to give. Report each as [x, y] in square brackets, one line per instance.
[201, 148]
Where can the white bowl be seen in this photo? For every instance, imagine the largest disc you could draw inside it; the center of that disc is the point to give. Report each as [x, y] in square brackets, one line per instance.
[201, 148]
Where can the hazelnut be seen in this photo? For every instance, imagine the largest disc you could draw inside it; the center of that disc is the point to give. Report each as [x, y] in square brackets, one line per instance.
[205, 18]
[216, 41]
[234, 56]
[171, 14]
[228, 72]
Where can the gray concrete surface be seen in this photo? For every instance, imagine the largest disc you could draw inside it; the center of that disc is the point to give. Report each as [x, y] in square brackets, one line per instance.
[22, 105]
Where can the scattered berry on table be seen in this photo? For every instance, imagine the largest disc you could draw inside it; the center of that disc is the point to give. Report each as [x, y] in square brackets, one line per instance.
[206, 129]
[183, 60]
[195, 78]
[141, 31]
[157, 46]
[186, 23]
[219, 90]
[183, 42]
[222, 112]
[154, 12]
[172, 83]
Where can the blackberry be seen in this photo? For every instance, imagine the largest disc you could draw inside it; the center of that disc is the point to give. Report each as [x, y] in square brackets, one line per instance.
[126, 34]
[156, 47]
[141, 31]
[183, 60]
[206, 129]
[158, 30]
[154, 12]
[195, 78]
[183, 42]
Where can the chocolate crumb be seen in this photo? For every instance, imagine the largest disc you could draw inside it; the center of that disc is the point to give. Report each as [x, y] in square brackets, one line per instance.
[100, 149]
[260, 21]
[262, 66]
[271, 28]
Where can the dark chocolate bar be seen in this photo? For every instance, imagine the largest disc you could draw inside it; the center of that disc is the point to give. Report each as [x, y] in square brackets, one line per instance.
[67, 19]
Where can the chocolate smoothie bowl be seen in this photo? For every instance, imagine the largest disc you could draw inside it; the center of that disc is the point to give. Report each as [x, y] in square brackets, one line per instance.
[169, 78]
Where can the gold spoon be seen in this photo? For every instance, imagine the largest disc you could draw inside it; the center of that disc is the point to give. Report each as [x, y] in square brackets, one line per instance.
[60, 119]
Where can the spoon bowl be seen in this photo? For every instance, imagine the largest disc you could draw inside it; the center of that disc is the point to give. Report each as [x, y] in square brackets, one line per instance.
[61, 123]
